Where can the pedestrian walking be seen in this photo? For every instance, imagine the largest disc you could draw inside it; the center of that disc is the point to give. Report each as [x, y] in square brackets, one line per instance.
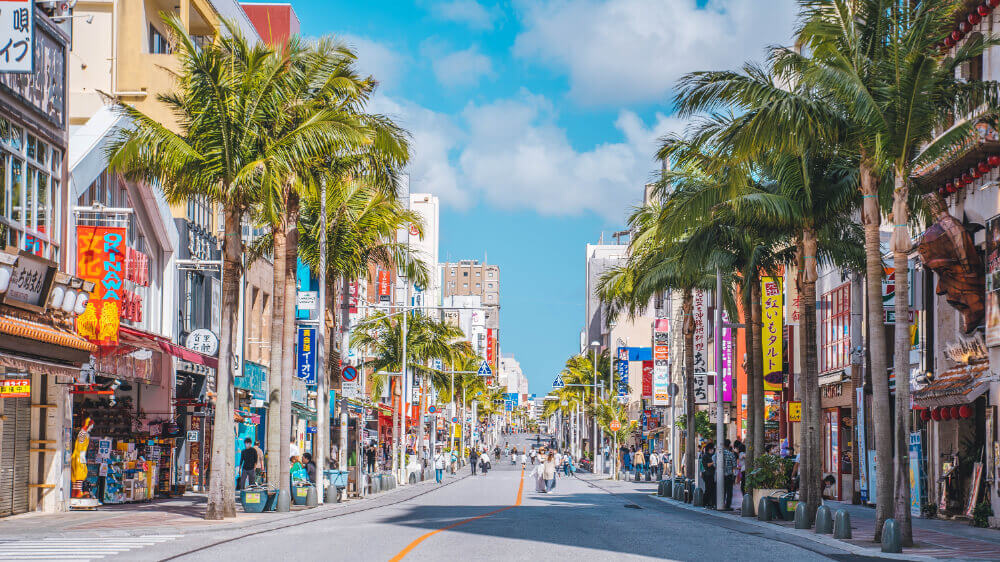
[513, 456]
[640, 463]
[524, 459]
[439, 462]
[473, 459]
[728, 474]
[654, 465]
[708, 475]
[484, 462]
[309, 466]
[248, 465]
[549, 472]
[370, 453]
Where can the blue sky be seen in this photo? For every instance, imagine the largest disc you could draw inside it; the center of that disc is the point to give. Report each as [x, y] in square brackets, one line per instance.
[535, 123]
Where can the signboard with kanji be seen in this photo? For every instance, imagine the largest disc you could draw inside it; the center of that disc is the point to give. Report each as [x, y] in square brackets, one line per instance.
[772, 330]
[15, 388]
[660, 364]
[306, 364]
[17, 36]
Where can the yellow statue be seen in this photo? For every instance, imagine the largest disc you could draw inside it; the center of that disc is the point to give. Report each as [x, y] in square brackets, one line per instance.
[78, 460]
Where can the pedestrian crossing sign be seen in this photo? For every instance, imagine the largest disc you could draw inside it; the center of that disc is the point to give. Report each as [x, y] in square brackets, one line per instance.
[485, 370]
[558, 383]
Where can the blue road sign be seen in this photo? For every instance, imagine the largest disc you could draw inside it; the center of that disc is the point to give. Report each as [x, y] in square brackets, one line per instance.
[558, 383]
[485, 370]
[349, 373]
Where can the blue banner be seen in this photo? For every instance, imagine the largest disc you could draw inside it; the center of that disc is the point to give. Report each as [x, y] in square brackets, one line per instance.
[639, 353]
[254, 379]
[305, 368]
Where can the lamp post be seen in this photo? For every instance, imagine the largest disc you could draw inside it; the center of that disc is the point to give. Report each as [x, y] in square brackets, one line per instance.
[593, 438]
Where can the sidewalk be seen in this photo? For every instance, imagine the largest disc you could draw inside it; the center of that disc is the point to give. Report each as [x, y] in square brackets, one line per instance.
[180, 515]
[935, 539]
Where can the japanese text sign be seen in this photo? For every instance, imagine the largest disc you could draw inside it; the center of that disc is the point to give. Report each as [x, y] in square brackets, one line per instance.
[772, 329]
[306, 364]
[17, 36]
[15, 388]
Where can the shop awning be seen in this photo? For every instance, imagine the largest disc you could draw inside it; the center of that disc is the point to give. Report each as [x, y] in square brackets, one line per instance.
[27, 365]
[958, 385]
[46, 334]
[147, 340]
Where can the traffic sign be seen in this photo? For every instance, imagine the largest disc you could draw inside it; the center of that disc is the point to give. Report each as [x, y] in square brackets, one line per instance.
[432, 409]
[615, 425]
[349, 373]
[558, 383]
[485, 370]
[454, 419]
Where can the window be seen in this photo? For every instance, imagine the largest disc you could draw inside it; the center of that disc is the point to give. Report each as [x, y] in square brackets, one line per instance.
[489, 285]
[479, 273]
[29, 172]
[835, 329]
[158, 44]
[489, 274]
[479, 285]
[465, 274]
[466, 285]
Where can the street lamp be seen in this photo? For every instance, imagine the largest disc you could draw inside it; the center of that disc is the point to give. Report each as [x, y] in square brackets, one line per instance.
[593, 439]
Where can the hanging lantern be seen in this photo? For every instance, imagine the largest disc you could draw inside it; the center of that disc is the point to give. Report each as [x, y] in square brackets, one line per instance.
[983, 167]
[950, 187]
[983, 10]
[993, 161]
[993, 3]
[964, 27]
[949, 42]
[964, 411]
[936, 414]
[925, 415]
[966, 179]
[946, 413]
[954, 412]
[956, 36]
[974, 18]
[974, 172]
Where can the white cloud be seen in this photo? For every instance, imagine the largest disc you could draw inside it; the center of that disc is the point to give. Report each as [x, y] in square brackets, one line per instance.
[461, 68]
[467, 12]
[376, 59]
[617, 51]
[517, 157]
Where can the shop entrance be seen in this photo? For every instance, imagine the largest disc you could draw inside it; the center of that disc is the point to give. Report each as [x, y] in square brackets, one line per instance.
[15, 432]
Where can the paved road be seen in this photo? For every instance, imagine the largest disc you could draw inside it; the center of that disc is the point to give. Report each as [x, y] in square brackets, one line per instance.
[499, 516]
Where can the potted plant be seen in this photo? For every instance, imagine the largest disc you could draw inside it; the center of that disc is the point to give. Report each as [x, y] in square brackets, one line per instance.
[767, 477]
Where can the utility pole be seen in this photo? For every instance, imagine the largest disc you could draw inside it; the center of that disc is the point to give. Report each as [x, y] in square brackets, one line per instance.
[323, 377]
[719, 425]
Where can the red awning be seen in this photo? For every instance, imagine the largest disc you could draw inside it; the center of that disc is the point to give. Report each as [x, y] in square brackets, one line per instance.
[154, 342]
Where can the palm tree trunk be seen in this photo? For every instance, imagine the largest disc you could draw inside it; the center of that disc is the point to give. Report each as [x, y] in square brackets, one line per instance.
[757, 377]
[901, 245]
[871, 219]
[274, 376]
[687, 305]
[222, 502]
[753, 450]
[810, 476]
[288, 339]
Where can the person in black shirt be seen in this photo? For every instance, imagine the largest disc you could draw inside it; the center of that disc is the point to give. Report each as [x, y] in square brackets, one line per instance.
[248, 465]
[310, 466]
[708, 475]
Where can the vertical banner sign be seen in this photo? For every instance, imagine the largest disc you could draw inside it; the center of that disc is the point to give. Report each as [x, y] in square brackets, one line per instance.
[993, 282]
[859, 429]
[727, 359]
[17, 36]
[352, 303]
[889, 295]
[916, 473]
[772, 331]
[700, 335]
[384, 286]
[647, 379]
[100, 257]
[622, 372]
[306, 364]
[491, 342]
[661, 364]
[701, 390]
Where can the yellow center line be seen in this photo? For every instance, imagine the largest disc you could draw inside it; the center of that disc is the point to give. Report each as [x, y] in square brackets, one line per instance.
[425, 536]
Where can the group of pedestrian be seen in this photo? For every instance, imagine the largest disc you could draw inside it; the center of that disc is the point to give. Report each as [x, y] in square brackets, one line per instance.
[710, 462]
[636, 460]
[479, 460]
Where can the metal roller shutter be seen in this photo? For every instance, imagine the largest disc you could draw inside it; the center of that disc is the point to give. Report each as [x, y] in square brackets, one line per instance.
[15, 437]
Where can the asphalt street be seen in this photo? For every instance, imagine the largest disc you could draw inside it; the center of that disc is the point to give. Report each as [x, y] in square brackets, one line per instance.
[500, 516]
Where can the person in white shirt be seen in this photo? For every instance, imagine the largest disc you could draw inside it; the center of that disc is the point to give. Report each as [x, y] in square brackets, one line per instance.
[559, 460]
[293, 448]
[439, 463]
[484, 462]
[654, 465]
[524, 459]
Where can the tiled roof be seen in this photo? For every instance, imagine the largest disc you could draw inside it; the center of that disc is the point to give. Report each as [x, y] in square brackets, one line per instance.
[958, 385]
[40, 332]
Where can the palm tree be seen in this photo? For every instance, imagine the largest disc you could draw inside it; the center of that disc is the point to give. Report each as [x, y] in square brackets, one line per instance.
[612, 410]
[230, 98]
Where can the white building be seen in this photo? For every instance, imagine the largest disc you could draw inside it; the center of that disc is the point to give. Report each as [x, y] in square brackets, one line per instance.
[469, 316]
[423, 246]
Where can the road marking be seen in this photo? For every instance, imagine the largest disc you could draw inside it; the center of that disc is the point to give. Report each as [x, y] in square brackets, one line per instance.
[425, 536]
[57, 548]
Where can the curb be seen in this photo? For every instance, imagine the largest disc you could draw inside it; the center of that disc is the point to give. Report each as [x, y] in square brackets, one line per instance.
[801, 533]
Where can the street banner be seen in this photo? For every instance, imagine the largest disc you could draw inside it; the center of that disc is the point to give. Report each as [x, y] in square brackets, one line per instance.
[647, 379]
[772, 331]
[699, 313]
[661, 364]
[727, 359]
[384, 285]
[17, 36]
[993, 282]
[491, 342]
[702, 390]
[859, 430]
[100, 257]
[306, 351]
[916, 472]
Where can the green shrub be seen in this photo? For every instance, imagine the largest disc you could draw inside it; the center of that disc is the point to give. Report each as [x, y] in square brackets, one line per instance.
[769, 472]
[981, 514]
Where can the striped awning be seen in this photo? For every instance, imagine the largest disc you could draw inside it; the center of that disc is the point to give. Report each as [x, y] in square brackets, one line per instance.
[43, 333]
[955, 386]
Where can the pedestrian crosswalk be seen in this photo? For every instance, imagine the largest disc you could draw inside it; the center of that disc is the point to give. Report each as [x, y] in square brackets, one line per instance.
[78, 549]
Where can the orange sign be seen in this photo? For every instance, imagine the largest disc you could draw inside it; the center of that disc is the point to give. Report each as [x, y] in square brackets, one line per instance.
[615, 425]
[100, 257]
[15, 388]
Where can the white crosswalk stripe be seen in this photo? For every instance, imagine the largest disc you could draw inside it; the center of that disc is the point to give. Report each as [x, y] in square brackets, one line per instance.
[77, 550]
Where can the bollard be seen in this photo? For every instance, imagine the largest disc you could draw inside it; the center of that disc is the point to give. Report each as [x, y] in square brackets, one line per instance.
[842, 524]
[413, 478]
[678, 491]
[764, 511]
[801, 516]
[824, 520]
[330, 495]
[699, 497]
[891, 541]
[284, 501]
[312, 497]
[747, 509]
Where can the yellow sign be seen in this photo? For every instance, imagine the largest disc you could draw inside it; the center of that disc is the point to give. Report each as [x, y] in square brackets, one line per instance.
[795, 411]
[302, 492]
[15, 388]
[772, 331]
[253, 497]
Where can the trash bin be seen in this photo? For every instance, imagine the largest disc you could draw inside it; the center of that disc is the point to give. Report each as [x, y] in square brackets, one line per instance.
[786, 506]
[299, 494]
[257, 500]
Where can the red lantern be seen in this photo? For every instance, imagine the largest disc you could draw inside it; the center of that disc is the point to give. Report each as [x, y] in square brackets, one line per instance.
[949, 42]
[949, 187]
[983, 10]
[966, 179]
[983, 167]
[954, 412]
[946, 413]
[974, 18]
[936, 414]
[974, 173]
[956, 36]
[925, 415]
[964, 411]
[964, 27]
[993, 161]
[993, 3]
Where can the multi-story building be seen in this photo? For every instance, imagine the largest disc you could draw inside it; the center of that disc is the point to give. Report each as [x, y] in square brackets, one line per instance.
[424, 246]
[600, 258]
[470, 277]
